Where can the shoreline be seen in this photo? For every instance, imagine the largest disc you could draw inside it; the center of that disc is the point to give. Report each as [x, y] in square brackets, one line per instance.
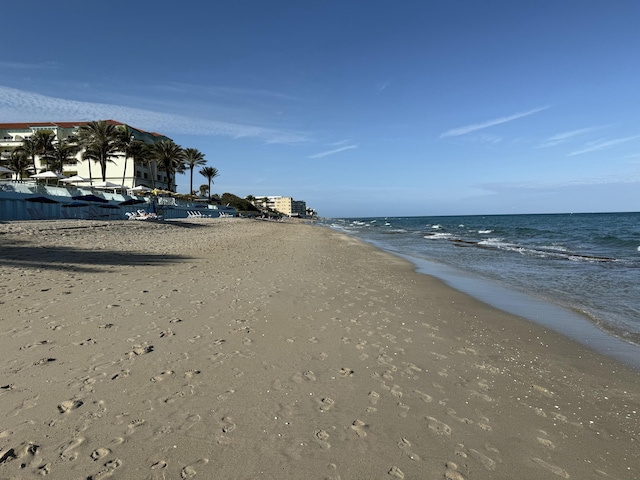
[231, 348]
[567, 320]
[571, 323]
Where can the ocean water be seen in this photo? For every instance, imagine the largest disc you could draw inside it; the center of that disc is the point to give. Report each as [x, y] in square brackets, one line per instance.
[585, 265]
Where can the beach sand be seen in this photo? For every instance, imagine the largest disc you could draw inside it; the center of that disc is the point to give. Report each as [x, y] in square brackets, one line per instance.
[240, 349]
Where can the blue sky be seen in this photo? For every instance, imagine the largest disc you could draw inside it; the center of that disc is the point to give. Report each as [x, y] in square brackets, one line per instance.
[358, 107]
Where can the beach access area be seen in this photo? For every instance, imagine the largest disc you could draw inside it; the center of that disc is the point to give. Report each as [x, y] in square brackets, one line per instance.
[236, 349]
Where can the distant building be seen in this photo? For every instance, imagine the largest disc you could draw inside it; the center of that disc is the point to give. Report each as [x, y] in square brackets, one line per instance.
[285, 205]
[119, 171]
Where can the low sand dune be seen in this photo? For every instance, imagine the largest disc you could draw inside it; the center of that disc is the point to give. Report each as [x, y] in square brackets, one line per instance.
[243, 349]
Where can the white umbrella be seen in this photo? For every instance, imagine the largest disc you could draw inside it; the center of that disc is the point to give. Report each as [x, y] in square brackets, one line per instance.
[74, 179]
[48, 174]
[140, 188]
[106, 185]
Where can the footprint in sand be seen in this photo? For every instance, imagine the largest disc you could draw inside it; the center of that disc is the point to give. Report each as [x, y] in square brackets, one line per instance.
[326, 404]
[545, 441]
[190, 470]
[373, 397]
[321, 438]
[68, 405]
[67, 449]
[551, 468]
[300, 376]
[24, 450]
[438, 427]
[423, 396]
[346, 372]
[452, 413]
[395, 472]
[405, 446]
[452, 473]
[98, 453]
[191, 421]
[486, 461]
[228, 425]
[360, 428]
[108, 471]
[133, 425]
[162, 376]
[121, 374]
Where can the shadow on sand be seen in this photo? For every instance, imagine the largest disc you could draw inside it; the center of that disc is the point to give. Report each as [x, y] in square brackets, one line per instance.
[77, 259]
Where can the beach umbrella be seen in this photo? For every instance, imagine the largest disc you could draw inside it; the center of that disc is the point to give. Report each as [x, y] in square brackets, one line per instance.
[48, 174]
[5, 170]
[132, 201]
[90, 198]
[108, 205]
[108, 185]
[75, 204]
[140, 188]
[74, 179]
[41, 200]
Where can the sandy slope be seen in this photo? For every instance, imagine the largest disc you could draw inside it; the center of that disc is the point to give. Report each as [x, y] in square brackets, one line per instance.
[246, 349]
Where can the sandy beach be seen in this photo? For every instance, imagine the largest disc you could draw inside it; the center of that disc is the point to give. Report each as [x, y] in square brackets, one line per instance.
[241, 349]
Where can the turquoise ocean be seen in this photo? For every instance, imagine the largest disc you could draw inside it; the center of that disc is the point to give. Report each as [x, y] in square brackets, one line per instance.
[578, 274]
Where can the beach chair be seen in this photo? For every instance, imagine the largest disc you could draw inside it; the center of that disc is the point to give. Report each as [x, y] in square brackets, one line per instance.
[35, 214]
[95, 213]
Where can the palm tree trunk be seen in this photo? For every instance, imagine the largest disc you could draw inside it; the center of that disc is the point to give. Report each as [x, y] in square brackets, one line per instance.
[124, 172]
[153, 175]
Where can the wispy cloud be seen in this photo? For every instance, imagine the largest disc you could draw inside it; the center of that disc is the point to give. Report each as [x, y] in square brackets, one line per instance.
[21, 106]
[617, 179]
[382, 87]
[28, 66]
[455, 132]
[602, 145]
[332, 152]
[565, 136]
[222, 91]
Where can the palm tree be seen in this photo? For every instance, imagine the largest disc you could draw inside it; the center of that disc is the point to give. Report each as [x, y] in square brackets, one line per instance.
[37, 144]
[130, 147]
[193, 158]
[204, 190]
[61, 153]
[145, 157]
[19, 162]
[209, 173]
[101, 141]
[169, 157]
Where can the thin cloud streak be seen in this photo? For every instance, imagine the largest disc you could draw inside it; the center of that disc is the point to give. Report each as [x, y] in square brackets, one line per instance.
[589, 181]
[28, 66]
[563, 137]
[603, 145]
[455, 132]
[332, 152]
[22, 106]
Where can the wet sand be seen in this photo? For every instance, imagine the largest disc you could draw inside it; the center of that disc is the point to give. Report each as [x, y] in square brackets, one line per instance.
[233, 348]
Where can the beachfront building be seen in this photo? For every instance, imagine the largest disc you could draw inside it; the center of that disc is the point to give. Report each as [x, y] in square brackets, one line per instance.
[121, 170]
[284, 205]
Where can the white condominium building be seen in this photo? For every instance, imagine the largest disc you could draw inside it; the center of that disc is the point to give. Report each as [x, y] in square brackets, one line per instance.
[120, 170]
[285, 205]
